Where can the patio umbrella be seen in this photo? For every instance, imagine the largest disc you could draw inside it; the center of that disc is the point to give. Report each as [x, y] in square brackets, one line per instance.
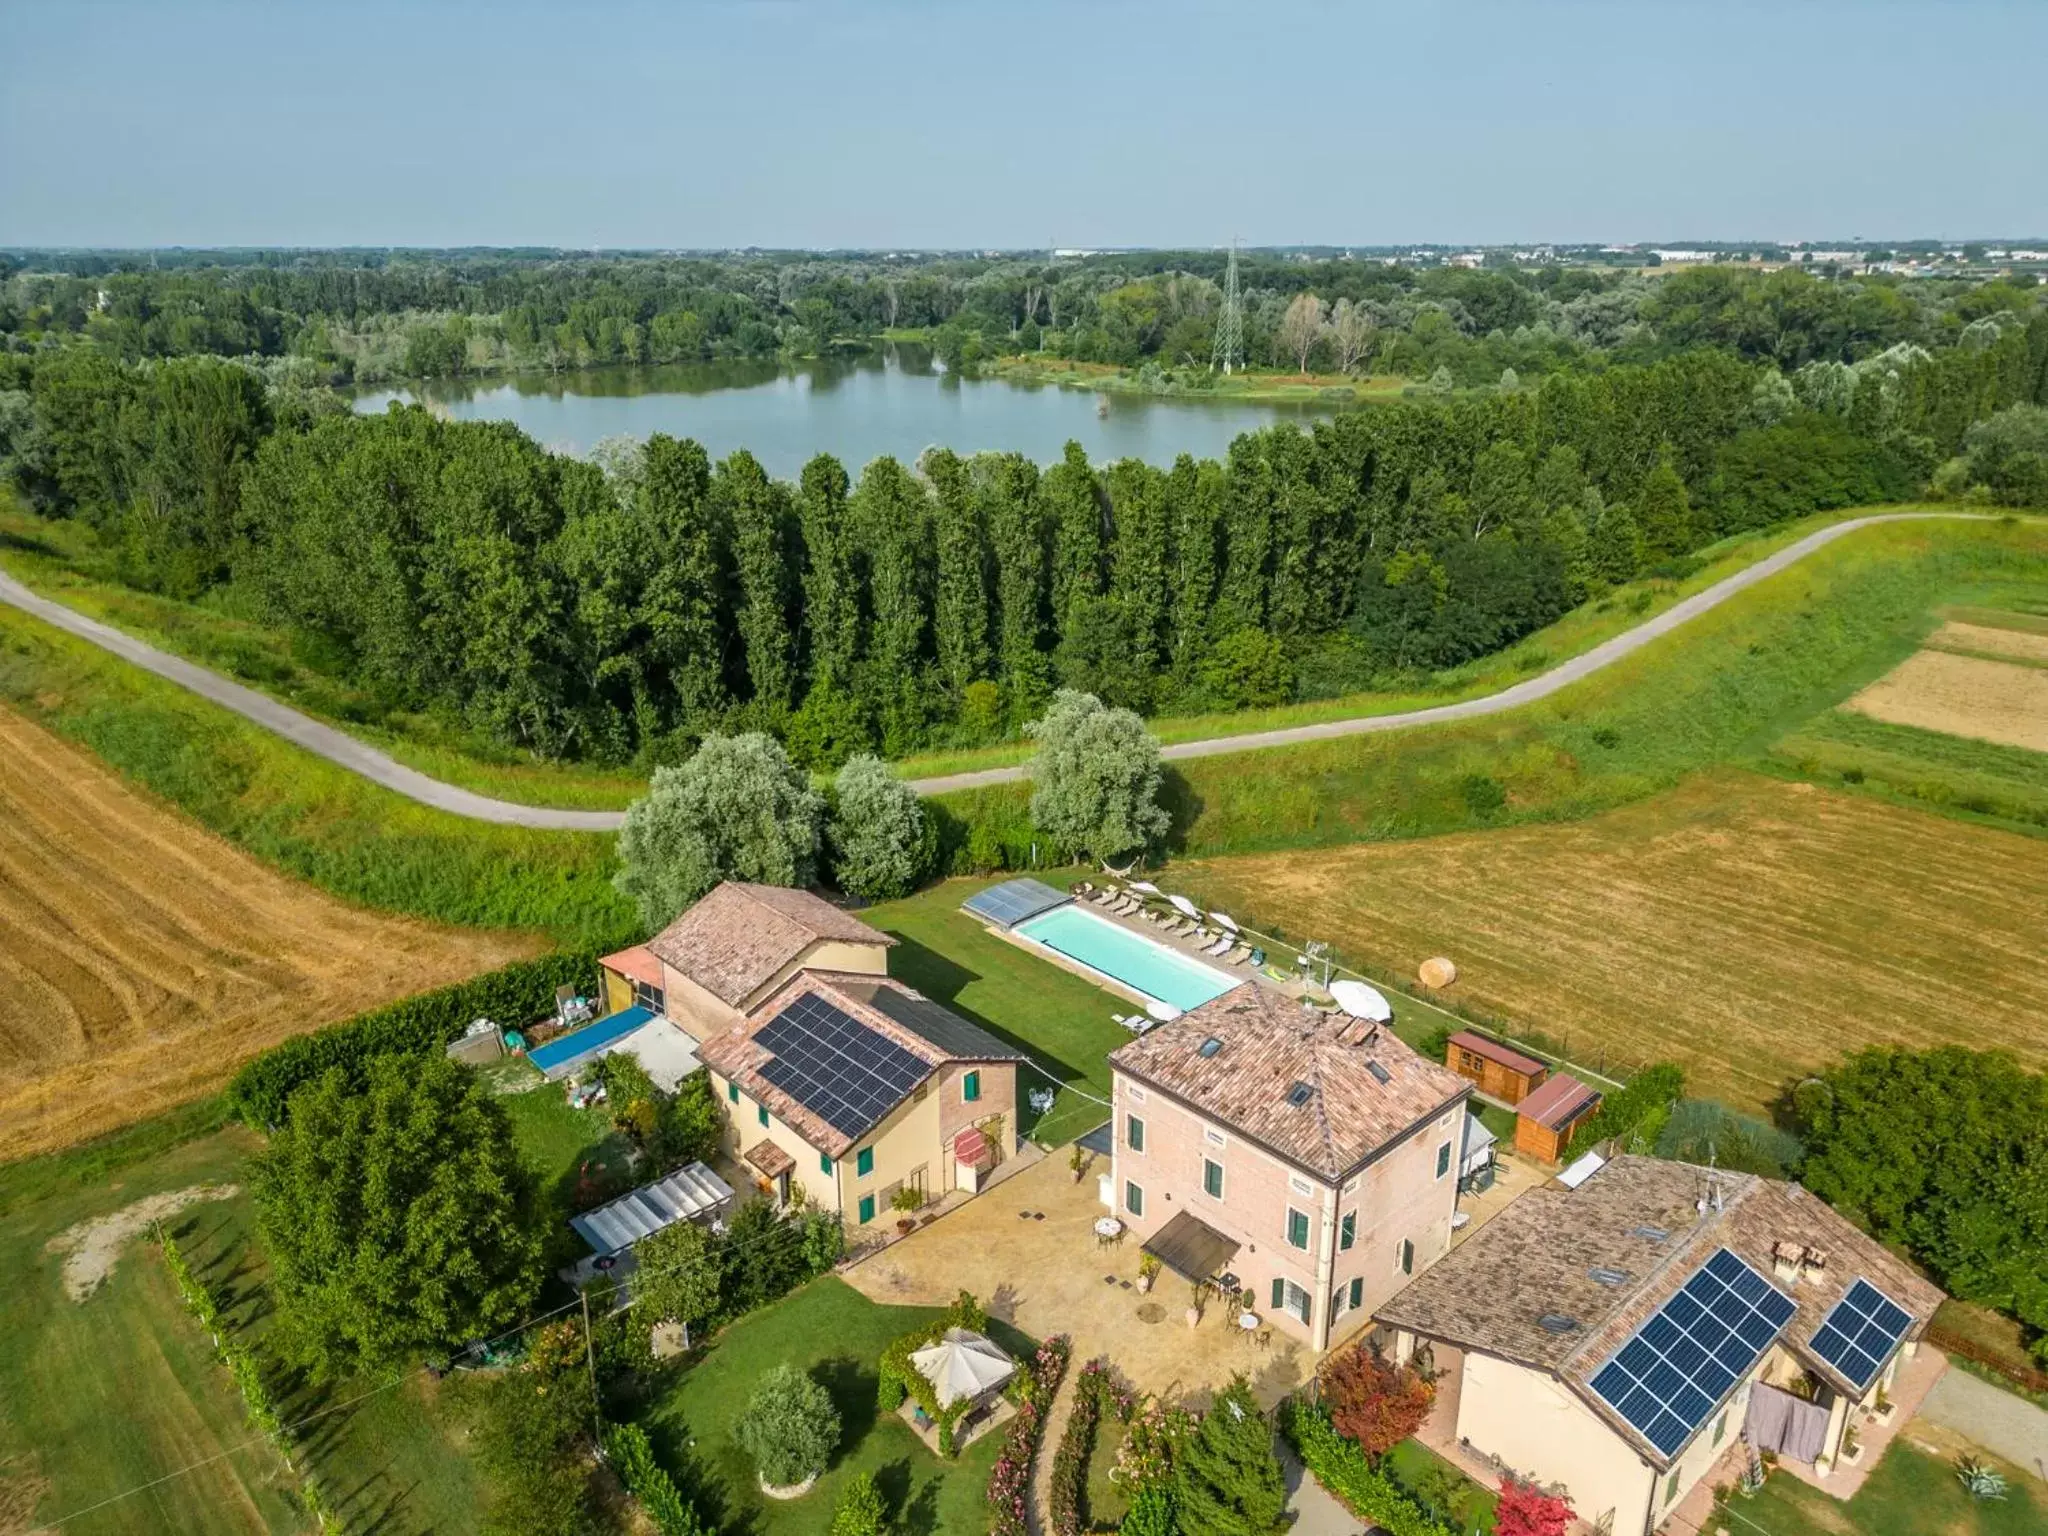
[1146, 886]
[1187, 907]
[962, 1364]
[1165, 1013]
[1361, 1001]
[1225, 919]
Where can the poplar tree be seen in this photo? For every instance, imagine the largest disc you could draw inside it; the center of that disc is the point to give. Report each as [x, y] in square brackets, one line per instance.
[1666, 510]
[1247, 539]
[757, 511]
[1137, 500]
[960, 609]
[1194, 498]
[831, 600]
[1073, 503]
[1007, 488]
[684, 601]
[892, 521]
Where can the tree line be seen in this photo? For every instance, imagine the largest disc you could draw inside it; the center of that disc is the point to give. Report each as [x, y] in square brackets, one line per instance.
[340, 317]
[628, 609]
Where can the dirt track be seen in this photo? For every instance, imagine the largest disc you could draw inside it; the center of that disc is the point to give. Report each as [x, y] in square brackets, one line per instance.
[142, 959]
[1752, 929]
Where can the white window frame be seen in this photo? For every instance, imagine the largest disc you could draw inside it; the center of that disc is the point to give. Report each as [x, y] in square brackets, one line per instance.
[1134, 1144]
[1443, 1160]
[1222, 1178]
[1308, 1231]
[1129, 1186]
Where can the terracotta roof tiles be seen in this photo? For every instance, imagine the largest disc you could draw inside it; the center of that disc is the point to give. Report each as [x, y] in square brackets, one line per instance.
[739, 936]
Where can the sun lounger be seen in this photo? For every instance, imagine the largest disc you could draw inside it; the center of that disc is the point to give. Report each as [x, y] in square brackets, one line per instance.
[1217, 948]
[1239, 955]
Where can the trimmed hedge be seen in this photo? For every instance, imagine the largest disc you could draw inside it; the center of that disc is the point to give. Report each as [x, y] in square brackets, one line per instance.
[1349, 1475]
[512, 995]
[630, 1455]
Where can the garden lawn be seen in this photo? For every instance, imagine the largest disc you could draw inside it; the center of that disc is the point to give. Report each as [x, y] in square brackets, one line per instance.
[1060, 1019]
[838, 1335]
[1909, 1494]
[1428, 1478]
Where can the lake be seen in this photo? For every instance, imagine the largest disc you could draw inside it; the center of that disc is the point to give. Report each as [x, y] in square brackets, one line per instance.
[896, 403]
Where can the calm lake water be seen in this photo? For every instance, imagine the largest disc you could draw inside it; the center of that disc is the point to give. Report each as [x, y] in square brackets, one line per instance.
[896, 403]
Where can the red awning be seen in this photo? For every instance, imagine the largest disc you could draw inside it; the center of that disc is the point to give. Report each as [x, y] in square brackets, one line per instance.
[972, 1148]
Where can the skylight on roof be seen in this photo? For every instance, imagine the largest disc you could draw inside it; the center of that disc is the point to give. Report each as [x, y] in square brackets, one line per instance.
[1300, 1094]
[1209, 1047]
[1608, 1276]
[1379, 1073]
[1654, 1234]
[1557, 1322]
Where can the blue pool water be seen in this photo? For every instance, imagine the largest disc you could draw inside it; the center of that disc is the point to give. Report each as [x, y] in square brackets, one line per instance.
[1128, 957]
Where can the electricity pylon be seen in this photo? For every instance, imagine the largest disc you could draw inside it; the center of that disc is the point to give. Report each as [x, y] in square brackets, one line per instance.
[1228, 352]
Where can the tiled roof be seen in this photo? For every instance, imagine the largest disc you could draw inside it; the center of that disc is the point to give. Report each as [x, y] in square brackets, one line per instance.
[1539, 1257]
[1557, 1101]
[1493, 1050]
[736, 1055]
[1325, 1092]
[638, 963]
[740, 935]
[769, 1158]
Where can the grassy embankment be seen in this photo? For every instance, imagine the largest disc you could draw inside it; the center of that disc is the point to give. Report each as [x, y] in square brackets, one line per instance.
[1251, 386]
[63, 560]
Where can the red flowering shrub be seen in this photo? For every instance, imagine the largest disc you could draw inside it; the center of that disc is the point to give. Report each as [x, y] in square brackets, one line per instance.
[1526, 1510]
[1373, 1402]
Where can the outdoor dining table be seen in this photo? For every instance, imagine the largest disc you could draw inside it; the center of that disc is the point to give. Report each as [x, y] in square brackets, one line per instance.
[1248, 1321]
[1108, 1230]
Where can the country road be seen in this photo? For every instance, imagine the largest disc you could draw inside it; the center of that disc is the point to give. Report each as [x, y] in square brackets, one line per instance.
[341, 748]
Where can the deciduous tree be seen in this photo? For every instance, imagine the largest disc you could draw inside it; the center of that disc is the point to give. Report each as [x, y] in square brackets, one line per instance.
[1301, 329]
[1374, 1401]
[789, 1427]
[1096, 778]
[882, 841]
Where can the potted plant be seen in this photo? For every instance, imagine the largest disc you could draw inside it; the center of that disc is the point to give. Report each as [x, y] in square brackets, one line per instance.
[1077, 1161]
[1198, 1294]
[905, 1202]
[1148, 1271]
[1852, 1444]
[1884, 1409]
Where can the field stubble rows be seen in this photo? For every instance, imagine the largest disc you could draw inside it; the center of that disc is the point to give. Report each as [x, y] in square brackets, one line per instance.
[1750, 928]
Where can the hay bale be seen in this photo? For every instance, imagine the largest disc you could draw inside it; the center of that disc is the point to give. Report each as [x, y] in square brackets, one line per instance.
[1437, 973]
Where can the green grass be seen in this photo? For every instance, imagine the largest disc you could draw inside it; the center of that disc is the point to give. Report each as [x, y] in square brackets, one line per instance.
[1927, 768]
[1419, 1470]
[831, 1330]
[1062, 1020]
[301, 813]
[1910, 1493]
[1722, 689]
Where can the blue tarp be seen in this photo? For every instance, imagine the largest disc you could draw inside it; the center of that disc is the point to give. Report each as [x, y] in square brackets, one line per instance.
[580, 1045]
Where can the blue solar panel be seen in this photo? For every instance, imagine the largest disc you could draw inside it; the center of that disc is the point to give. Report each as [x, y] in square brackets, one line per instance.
[1665, 1380]
[1860, 1332]
[835, 1066]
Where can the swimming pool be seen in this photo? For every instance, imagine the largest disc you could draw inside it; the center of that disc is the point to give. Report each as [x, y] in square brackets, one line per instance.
[1111, 950]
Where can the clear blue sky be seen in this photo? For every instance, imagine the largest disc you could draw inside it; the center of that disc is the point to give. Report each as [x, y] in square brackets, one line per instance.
[1068, 122]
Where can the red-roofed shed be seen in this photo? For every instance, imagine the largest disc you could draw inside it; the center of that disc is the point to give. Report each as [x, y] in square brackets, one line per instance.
[1546, 1119]
[1500, 1071]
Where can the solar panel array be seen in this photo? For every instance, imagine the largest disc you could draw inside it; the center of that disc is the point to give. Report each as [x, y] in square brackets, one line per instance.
[847, 1074]
[1013, 901]
[926, 1019]
[1675, 1368]
[1859, 1331]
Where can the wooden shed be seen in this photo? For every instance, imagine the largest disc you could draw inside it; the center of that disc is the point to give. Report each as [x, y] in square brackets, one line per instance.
[1501, 1073]
[1545, 1120]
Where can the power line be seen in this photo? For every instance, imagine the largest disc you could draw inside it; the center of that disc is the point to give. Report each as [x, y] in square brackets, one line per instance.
[1227, 351]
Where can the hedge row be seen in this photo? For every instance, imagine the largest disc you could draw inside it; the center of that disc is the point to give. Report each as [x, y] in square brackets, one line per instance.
[1348, 1473]
[512, 996]
[627, 1449]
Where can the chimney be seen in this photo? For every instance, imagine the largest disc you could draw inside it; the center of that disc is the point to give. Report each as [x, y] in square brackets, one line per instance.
[1814, 1268]
[1785, 1260]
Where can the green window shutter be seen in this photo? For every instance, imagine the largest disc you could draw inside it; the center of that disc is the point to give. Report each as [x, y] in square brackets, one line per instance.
[970, 1087]
[1134, 1198]
[1212, 1179]
[867, 1209]
[1134, 1133]
[1347, 1230]
[1407, 1257]
[761, 1114]
[732, 1093]
[1279, 1293]
[864, 1164]
[1357, 1293]
[1443, 1159]
[1671, 1486]
[1297, 1228]
[825, 1164]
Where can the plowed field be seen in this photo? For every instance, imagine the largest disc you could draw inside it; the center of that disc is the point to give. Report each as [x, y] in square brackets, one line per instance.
[1751, 929]
[1963, 696]
[142, 959]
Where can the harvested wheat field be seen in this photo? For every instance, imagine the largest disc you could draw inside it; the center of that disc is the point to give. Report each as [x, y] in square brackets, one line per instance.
[2019, 644]
[142, 959]
[1997, 701]
[1749, 928]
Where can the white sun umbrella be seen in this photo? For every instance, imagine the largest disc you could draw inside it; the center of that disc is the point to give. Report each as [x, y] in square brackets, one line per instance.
[1186, 906]
[1164, 1012]
[1225, 919]
[1361, 1001]
[962, 1364]
[1146, 886]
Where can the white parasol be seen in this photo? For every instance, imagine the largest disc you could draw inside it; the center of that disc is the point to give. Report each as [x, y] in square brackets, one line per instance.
[962, 1364]
[1165, 1013]
[1225, 919]
[1361, 1001]
[1146, 886]
[1186, 906]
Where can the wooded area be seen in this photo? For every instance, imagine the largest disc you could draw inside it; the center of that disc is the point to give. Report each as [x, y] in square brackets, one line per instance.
[624, 611]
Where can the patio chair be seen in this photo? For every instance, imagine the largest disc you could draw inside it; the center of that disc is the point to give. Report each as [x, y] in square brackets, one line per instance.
[1239, 955]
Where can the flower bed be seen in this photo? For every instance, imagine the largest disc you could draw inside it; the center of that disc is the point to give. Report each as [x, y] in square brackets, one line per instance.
[1096, 1389]
[1009, 1481]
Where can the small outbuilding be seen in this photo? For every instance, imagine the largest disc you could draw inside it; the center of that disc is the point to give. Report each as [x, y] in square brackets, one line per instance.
[1500, 1071]
[1546, 1119]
